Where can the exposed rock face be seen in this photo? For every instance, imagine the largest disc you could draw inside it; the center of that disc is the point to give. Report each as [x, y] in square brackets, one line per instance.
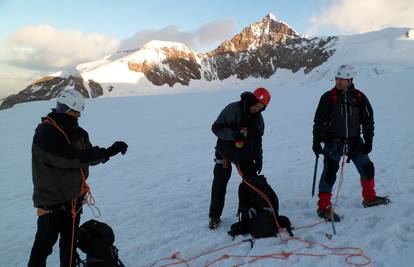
[293, 54]
[268, 31]
[262, 48]
[182, 68]
[258, 51]
[96, 89]
[49, 87]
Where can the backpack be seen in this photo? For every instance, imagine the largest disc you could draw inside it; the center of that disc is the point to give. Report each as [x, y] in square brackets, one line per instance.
[255, 215]
[96, 240]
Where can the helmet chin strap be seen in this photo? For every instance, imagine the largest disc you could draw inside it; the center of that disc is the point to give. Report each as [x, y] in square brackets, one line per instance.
[349, 83]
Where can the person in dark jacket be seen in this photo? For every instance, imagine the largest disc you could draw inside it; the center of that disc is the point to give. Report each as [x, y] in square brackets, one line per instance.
[61, 155]
[239, 129]
[341, 114]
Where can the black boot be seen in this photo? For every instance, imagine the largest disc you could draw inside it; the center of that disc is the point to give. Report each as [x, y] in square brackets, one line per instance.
[214, 223]
[375, 202]
[327, 214]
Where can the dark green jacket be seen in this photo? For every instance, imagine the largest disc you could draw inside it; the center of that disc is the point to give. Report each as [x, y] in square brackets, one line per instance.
[56, 163]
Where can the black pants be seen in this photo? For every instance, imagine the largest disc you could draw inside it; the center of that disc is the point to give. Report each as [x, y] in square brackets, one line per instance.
[49, 226]
[218, 190]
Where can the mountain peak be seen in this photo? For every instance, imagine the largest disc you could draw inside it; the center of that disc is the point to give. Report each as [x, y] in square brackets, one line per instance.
[272, 24]
[270, 16]
[268, 31]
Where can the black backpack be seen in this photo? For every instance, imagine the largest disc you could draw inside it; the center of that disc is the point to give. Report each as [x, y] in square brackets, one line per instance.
[96, 239]
[255, 215]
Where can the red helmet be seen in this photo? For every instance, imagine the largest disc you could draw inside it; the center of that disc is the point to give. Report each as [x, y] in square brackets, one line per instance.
[262, 95]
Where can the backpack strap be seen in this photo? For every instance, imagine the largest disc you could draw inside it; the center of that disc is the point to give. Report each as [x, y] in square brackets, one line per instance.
[358, 96]
[333, 96]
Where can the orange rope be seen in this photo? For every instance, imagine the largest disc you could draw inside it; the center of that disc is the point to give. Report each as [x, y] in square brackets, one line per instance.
[335, 251]
[175, 256]
[263, 195]
[278, 228]
[284, 255]
[84, 191]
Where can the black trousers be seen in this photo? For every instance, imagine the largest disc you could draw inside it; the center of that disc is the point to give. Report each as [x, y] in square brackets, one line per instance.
[49, 227]
[218, 189]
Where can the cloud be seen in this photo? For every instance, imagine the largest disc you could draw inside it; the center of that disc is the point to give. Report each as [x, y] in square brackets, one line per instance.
[13, 79]
[205, 36]
[356, 16]
[43, 47]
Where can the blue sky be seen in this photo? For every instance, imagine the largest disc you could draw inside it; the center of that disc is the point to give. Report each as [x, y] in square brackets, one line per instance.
[44, 36]
[123, 18]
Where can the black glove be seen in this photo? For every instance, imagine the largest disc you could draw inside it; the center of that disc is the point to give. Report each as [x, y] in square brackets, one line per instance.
[258, 163]
[367, 146]
[116, 147]
[317, 148]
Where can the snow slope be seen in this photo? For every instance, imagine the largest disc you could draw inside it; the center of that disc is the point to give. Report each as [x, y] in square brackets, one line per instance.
[373, 53]
[156, 197]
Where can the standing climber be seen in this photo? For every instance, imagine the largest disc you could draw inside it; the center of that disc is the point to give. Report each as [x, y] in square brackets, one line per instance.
[61, 156]
[239, 129]
[341, 114]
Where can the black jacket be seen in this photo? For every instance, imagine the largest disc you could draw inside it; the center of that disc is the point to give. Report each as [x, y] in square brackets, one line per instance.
[230, 121]
[56, 163]
[341, 115]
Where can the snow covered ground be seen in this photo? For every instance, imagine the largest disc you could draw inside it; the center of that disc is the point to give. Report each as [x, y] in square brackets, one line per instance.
[157, 196]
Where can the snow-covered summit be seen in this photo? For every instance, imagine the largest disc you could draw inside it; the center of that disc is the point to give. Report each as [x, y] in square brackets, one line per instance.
[157, 44]
[272, 17]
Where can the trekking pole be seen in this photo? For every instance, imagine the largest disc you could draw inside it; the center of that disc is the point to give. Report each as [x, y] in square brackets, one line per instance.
[314, 175]
[333, 222]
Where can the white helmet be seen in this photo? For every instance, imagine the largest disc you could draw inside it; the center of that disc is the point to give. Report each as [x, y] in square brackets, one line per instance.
[71, 98]
[345, 72]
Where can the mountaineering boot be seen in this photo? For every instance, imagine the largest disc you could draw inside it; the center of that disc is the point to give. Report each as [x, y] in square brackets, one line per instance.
[377, 200]
[369, 195]
[324, 207]
[214, 223]
[326, 214]
[368, 185]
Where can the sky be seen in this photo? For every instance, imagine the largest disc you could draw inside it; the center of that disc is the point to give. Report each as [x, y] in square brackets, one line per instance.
[40, 37]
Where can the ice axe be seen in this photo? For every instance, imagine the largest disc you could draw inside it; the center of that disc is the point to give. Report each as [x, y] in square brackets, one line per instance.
[314, 175]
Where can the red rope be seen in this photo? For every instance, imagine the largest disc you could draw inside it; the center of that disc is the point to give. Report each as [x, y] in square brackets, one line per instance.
[284, 255]
[84, 191]
[353, 252]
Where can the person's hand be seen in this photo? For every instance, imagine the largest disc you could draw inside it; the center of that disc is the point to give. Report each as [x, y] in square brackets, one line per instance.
[117, 147]
[317, 148]
[367, 146]
[240, 138]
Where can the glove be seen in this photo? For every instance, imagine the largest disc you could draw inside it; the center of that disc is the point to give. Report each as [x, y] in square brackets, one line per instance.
[367, 146]
[258, 163]
[317, 148]
[240, 138]
[116, 147]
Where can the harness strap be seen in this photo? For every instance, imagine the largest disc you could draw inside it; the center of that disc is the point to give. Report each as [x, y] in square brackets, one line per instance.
[223, 161]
